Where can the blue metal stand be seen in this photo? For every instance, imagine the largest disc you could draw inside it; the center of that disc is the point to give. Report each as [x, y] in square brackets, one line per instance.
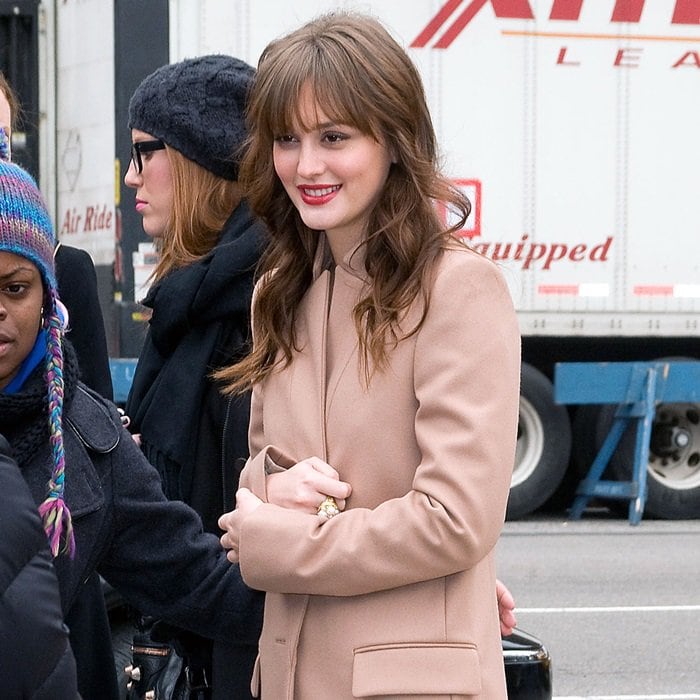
[637, 388]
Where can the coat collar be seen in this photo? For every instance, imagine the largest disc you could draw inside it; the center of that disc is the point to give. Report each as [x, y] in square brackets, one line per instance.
[353, 262]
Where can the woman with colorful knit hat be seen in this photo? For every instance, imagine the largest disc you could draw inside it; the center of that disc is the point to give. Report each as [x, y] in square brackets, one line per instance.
[37, 660]
[101, 502]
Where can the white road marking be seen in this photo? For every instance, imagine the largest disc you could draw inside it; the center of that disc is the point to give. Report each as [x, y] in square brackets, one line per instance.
[626, 697]
[618, 608]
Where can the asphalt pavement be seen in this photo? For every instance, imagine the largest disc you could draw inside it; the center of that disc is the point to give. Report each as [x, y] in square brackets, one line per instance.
[617, 605]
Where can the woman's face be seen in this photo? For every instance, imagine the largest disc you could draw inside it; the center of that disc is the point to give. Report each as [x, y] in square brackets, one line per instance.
[153, 185]
[334, 175]
[21, 298]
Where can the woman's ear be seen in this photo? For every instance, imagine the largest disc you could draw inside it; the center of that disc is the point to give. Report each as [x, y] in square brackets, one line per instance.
[389, 143]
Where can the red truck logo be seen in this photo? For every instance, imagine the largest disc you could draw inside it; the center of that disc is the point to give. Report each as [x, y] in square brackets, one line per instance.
[685, 12]
[472, 227]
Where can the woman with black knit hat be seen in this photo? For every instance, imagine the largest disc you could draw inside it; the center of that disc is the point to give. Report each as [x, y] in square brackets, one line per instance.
[101, 502]
[187, 125]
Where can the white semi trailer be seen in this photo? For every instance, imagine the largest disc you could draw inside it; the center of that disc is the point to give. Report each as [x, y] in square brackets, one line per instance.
[573, 125]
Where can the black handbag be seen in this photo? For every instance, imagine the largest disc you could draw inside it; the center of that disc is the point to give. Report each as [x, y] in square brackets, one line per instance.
[158, 672]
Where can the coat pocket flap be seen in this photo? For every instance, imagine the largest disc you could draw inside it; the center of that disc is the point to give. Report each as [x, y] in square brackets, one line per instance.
[416, 669]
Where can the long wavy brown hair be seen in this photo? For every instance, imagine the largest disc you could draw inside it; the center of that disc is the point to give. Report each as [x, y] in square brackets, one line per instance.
[359, 76]
[202, 202]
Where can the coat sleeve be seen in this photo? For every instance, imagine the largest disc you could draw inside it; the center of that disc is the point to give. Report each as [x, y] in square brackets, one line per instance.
[466, 385]
[264, 458]
[163, 563]
[34, 647]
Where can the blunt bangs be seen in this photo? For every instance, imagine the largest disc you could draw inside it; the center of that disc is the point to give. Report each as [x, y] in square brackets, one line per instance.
[321, 65]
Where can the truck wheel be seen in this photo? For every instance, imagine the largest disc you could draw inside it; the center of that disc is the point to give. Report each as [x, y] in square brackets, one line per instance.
[673, 472]
[544, 444]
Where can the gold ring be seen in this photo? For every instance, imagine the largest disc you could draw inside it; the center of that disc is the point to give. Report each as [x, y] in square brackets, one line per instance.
[328, 508]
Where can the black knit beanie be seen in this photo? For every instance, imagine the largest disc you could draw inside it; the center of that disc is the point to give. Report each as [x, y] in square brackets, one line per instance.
[197, 106]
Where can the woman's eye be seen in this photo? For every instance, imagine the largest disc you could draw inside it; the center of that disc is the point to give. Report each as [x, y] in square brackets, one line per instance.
[334, 137]
[285, 139]
[15, 288]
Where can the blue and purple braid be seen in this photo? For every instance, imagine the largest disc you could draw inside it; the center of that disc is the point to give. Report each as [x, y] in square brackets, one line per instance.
[54, 511]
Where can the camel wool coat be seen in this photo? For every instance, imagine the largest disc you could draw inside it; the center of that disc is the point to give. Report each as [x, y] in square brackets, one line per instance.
[395, 596]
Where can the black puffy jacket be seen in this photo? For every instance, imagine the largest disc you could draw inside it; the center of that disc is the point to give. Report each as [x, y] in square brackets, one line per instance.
[36, 660]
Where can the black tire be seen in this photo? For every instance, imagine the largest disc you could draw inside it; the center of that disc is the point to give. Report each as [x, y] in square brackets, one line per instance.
[583, 452]
[544, 445]
[586, 441]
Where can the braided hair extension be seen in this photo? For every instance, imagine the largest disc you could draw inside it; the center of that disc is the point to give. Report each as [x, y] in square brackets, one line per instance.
[54, 511]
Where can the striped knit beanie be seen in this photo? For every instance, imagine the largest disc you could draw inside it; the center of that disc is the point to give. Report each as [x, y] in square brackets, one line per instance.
[26, 230]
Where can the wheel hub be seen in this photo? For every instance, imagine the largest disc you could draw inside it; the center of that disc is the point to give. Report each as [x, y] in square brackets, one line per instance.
[667, 439]
[674, 448]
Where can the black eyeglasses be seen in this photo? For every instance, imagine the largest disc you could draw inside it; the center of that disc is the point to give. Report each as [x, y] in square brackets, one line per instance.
[141, 147]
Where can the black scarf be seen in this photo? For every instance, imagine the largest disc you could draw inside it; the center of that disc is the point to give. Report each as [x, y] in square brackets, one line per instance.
[192, 307]
[24, 415]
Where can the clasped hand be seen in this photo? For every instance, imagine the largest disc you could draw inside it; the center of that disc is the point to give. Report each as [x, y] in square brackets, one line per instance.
[301, 487]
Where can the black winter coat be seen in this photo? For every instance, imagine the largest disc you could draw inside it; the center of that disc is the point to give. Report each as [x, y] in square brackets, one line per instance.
[36, 661]
[151, 550]
[200, 322]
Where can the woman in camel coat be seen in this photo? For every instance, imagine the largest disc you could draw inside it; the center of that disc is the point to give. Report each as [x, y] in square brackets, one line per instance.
[386, 360]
